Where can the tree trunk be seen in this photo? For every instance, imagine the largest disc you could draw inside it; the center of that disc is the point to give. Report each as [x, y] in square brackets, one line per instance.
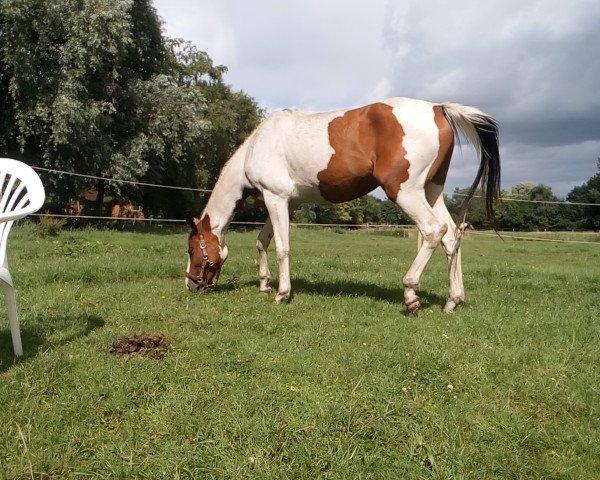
[99, 207]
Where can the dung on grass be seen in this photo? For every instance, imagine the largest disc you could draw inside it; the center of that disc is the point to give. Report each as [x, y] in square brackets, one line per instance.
[152, 345]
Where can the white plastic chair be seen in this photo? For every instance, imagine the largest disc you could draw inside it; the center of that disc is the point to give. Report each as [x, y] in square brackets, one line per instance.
[21, 193]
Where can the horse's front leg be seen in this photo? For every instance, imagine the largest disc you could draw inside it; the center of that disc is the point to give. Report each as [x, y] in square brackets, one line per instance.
[280, 219]
[262, 244]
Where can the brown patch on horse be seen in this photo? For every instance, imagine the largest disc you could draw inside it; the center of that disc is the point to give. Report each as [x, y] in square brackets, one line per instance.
[439, 169]
[368, 152]
[392, 166]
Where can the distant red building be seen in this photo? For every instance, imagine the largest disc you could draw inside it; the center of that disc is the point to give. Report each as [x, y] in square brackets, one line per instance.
[121, 208]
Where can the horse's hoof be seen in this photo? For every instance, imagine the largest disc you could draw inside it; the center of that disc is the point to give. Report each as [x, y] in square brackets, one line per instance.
[413, 306]
[449, 307]
[265, 290]
[279, 299]
[452, 304]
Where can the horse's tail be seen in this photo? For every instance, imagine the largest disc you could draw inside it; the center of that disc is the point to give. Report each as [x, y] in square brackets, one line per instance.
[482, 131]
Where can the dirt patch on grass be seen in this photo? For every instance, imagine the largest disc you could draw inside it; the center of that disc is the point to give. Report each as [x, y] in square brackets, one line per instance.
[152, 345]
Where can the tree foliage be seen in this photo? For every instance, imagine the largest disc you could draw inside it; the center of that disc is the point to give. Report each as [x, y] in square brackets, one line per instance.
[364, 210]
[523, 208]
[527, 206]
[94, 87]
[588, 216]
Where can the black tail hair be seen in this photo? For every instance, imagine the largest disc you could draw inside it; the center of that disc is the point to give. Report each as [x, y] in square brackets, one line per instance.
[488, 174]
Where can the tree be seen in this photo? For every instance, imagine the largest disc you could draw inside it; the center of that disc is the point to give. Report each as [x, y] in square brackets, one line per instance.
[75, 72]
[232, 116]
[588, 217]
[361, 211]
[392, 215]
[526, 206]
[521, 213]
[476, 211]
[8, 137]
[93, 87]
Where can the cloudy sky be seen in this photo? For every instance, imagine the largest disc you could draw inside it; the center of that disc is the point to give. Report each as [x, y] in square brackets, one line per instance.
[533, 65]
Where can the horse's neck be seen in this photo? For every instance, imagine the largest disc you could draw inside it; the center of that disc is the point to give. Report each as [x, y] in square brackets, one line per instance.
[226, 194]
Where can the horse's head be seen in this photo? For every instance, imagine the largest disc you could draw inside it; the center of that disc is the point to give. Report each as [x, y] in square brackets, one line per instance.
[206, 256]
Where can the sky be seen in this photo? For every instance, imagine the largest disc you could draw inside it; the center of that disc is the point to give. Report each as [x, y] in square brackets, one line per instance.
[532, 65]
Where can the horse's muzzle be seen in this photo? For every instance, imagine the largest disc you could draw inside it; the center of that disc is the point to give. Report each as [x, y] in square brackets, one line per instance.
[199, 285]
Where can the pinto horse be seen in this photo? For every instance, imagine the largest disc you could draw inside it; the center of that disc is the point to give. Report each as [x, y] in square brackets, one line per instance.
[400, 144]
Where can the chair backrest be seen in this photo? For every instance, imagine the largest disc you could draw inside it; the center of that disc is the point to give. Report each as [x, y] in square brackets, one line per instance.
[21, 193]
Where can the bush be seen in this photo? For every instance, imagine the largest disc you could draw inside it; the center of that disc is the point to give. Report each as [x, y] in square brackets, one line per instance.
[49, 226]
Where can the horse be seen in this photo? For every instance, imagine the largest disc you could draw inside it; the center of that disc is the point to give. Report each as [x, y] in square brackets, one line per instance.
[402, 145]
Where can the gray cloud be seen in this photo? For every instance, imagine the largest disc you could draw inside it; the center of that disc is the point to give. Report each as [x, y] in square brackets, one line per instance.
[306, 54]
[532, 65]
[528, 62]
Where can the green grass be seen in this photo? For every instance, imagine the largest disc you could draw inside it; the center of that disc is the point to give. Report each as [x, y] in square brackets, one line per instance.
[338, 384]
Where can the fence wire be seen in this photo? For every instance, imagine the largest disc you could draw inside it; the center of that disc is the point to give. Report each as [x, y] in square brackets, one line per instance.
[326, 225]
[202, 190]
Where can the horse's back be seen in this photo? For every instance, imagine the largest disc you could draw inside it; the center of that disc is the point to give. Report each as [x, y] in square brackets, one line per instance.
[288, 150]
[341, 155]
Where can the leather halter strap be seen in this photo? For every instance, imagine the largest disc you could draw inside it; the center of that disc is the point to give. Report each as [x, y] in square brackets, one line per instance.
[199, 279]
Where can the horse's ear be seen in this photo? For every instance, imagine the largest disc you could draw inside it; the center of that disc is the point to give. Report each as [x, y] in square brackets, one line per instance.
[193, 223]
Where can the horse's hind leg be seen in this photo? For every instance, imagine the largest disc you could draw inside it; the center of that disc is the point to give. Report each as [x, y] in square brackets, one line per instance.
[451, 244]
[262, 244]
[414, 203]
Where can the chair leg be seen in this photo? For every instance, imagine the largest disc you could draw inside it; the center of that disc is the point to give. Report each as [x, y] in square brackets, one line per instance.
[13, 318]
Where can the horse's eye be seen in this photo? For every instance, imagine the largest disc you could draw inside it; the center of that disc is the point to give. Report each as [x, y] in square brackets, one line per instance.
[190, 251]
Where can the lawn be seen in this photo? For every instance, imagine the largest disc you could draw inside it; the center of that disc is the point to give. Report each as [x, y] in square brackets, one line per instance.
[337, 384]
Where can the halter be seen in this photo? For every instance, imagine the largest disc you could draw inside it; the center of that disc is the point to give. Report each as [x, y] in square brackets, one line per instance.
[199, 279]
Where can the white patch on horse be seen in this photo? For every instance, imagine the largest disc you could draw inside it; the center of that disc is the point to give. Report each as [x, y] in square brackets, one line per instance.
[191, 286]
[421, 138]
[280, 159]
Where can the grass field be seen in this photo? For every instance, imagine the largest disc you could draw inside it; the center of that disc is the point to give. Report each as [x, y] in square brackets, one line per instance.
[338, 384]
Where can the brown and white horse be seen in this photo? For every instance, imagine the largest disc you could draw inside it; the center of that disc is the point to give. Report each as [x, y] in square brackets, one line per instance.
[400, 144]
